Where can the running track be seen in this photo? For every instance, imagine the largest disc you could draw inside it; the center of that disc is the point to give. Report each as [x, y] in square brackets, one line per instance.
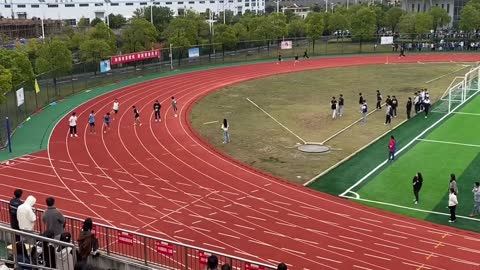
[163, 179]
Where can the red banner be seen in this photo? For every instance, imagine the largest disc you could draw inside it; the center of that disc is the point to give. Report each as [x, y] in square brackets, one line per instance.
[252, 266]
[132, 57]
[164, 248]
[203, 257]
[125, 238]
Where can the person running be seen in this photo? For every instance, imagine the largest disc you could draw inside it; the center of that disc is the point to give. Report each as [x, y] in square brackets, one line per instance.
[402, 51]
[91, 122]
[156, 108]
[333, 106]
[279, 59]
[394, 106]
[106, 122]
[364, 111]
[72, 121]
[417, 185]
[341, 103]
[296, 60]
[452, 204]
[174, 106]
[388, 115]
[409, 107]
[360, 101]
[426, 106]
[476, 199]
[116, 106]
[379, 100]
[305, 54]
[392, 147]
[226, 134]
[136, 115]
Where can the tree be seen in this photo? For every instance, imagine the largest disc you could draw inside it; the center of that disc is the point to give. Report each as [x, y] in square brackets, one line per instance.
[54, 57]
[31, 48]
[315, 25]
[19, 65]
[116, 21]
[162, 16]
[338, 21]
[392, 18]
[363, 24]
[423, 23]
[440, 18]
[225, 34]
[240, 31]
[102, 32]
[82, 24]
[273, 26]
[95, 22]
[95, 50]
[407, 24]
[5, 82]
[192, 26]
[470, 18]
[139, 35]
[296, 28]
[229, 16]
[269, 9]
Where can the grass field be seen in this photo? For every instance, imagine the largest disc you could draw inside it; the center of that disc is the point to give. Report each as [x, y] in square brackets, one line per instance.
[300, 101]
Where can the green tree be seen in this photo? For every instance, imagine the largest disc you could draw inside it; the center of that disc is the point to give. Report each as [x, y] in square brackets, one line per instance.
[83, 25]
[392, 18]
[273, 26]
[440, 18]
[240, 31]
[95, 50]
[296, 28]
[139, 35]
[192, 26]
[315, 25]
[116, 21]
[5, 82]
[407, 24]
[31, 48]
[470, 18]
[76, 40]
[95, 21]
[338, 21]
[162, 16]
[225, 34]
[423, 23]
[363, 24]
[102, 32]
[18, 64]
[54, 57]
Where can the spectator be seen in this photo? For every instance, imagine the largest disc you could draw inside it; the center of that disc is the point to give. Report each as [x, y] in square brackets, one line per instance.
[26, 216]
[47, 256]
[282, 266]
[364, 111]
[453, 184]
[212, 263]
[452, 205]
[476, 199]
[53, 219]
[63, 254]
[22, 255]
[226, 267]
[87, 242]
[15, 202]
[409, 107]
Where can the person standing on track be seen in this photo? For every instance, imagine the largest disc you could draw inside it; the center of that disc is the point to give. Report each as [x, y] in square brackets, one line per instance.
[476, 199]
[417, 185]
[333, 106]
[341, 102]
[296, 60]
[279, 59]
[106, 122]
[156, 108]
[174, 106]
[91, 122]
[452, 205]
[409, 107]
[116, 106]
[136, 115]
[379, 100]
[72, 121]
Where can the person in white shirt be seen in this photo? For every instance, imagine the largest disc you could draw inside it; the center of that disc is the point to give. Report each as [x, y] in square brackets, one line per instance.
[226, 134]
[452, 204]
[72, 121]
[426, 106]
[25, 214]
[115, 108]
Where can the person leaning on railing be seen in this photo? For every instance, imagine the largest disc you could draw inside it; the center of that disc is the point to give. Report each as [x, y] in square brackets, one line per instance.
[15, 202]
[53, 219]
[87, 242]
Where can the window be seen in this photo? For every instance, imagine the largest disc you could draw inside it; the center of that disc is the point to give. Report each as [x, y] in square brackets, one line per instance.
[247, 4]
[180, 3]
[221, 1]
[69, 5]
[448, 8]
[230, 1]
[168, 3]
[84, 5]
[191, 2]
[443, 6]
[71, 21]
[212, 2]
[202, 2]
[181, 12]
[156, 3]
[52, 5]
[239, 1]
[424, 7]
[128, 4]
[143, 3]
[21, 6]
[418, 8]
[113, 4]
[413, 7]
[7, 6]
[35, 6]
[98, 4]
[87, 20]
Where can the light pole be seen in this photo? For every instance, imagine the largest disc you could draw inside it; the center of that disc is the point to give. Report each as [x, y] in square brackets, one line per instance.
[171, 56]
[151, 13]
[278, 5]
[326, 5]
[106, 11]
[41, 19]
[332, 5]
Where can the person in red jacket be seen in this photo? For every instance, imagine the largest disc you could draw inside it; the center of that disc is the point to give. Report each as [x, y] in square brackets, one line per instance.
[392, 147]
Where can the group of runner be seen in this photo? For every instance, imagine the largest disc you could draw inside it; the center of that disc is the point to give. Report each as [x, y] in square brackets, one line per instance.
[72, 121]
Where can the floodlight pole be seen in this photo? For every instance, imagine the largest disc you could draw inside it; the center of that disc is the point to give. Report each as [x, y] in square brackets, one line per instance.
[171, 56]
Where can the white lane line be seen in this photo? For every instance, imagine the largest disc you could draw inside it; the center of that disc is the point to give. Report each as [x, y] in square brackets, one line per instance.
[118, 171]
[259, 242]
[131, 226]
[327, 259]
[387, 246]
[339, 248]
[177, 231]
[350, 238]
[86, 173]
[267, 184]
[104, 176]
[446, 142]
[269, 210]
[257, 218]
[202, 206]
[81, 191]
[299, 216]
[315, 231]
[102, 195]
[70, 179]
[167, 189]
[361, 267]
[147, 205]
[154, 196]
[468, 249]
[438, 232]
[417, 266]
[231, 213]
[423, 253]
[244, 227]
[215, 199]
[393, 235]
[81, 164]
[126, 181]
[140, 175]
[121, 211]
[305, 241]
[64, 161]
[105, 186]
[253, 191]
[195, 222]
[182, 238]
[471, 238]
[145, 185]
[123, 200]
[183, 184]
[309, 208]
[159, 232]
[200, 229]
[361, 229]
[145, 216]
[68, 170]
[285, 224]
[284, 203]
[372, 220]
[231, 193]
[212, 245]
[403, 226]
[131, 191]
[429, 242]
[177, 201]
[465, 262]
[294, 251]
[229, 235]
[378, 257]
[171, 222]
[192, 195]
[99, 206]
[275, 233]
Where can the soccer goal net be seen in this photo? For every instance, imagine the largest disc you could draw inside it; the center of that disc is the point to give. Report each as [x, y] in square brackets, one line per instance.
[459, 90]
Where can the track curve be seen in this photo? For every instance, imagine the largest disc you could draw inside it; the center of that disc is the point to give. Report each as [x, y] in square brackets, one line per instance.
[163, 179]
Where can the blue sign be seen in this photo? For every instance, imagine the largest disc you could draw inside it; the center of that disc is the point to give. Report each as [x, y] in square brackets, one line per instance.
[104, 66]
[193, 52]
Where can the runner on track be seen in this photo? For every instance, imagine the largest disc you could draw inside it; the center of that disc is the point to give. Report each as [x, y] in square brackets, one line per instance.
[91, 122]
[174, 106]
[156, 108]
[106, 123]
[136, 114]
[116, 106]
[72, 121]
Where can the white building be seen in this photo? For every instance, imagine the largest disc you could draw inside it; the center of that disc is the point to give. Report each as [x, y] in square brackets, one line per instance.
[453, 7]
[72, 10]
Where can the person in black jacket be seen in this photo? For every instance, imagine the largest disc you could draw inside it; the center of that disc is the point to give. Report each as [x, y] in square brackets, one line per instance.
[379, 100]
[394, 106]
[417, 185]
[409, 107]
[156, 109]
[15, 202]
[361, 100]
[47, 257]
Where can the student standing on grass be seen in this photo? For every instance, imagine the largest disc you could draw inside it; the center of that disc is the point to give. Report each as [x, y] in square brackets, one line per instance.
[417, 185]
[394, 106]
[136, 115]
[476, 199]
[379, 100]
[360, 101]
[426, 106]
[156, 109]
[116, 106]
[106, 122]
[453, 183]
[452, 204]
[409, 107]
[91, 122]
[226, 134]
[364, 111]
[333, 106]
[392, 147]
[341, 103]
[388, 115]
[416, 102]
[174, 106]
[72, 121]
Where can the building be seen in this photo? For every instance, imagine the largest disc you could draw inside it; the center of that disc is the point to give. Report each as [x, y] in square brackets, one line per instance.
[453, 7]
[32, 28]
[302, 12]
[71, 11]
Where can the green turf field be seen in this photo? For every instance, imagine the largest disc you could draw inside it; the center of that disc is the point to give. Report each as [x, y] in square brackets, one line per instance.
[453, 146]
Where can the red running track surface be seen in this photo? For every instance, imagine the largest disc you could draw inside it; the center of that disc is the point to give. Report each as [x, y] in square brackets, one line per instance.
[163, 179]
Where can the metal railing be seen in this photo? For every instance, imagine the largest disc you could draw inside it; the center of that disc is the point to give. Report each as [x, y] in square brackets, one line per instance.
[145, 249]
[29, 251]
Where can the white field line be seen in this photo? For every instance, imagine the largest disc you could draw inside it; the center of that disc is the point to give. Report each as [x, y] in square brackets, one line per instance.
[410, 208]
[446, 142]
[406, 146]
[467, 113]
[273, 118]
[444, 75]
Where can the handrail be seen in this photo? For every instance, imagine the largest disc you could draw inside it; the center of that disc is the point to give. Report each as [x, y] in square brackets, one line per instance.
[109, 233]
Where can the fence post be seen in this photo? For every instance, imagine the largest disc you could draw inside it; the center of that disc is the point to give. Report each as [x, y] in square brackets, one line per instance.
[186, 257]
[145, 249]
[107, 240]
[8, 135]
